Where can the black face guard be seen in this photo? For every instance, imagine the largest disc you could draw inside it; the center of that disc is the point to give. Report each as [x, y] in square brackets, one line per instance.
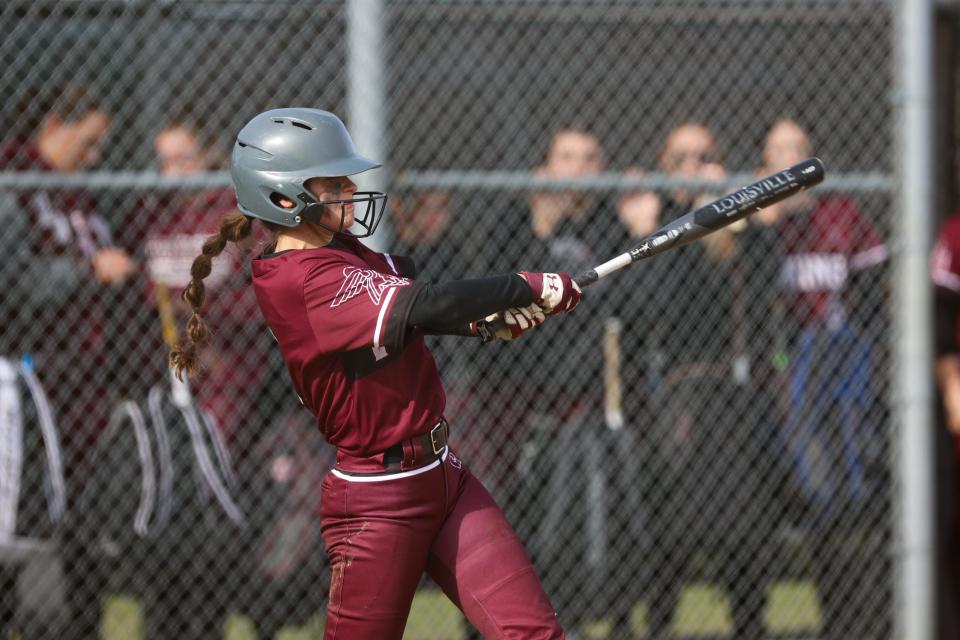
[313, 212]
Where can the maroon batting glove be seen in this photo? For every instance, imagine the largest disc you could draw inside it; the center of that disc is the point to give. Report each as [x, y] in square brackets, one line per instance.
[553, 292]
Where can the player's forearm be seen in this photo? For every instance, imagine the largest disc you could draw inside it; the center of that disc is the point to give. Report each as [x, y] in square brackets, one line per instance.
[449, 307]
[465, 329]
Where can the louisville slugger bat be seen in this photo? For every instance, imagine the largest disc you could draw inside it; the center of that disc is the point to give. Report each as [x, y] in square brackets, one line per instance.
[700, 222]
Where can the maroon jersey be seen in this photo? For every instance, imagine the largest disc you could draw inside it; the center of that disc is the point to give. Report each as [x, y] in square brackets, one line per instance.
[340, 315]
[175, 229]
[822, 248]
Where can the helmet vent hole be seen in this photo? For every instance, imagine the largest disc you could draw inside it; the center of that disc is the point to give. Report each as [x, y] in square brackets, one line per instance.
[278, 121]
[301, 125]
[278, 200]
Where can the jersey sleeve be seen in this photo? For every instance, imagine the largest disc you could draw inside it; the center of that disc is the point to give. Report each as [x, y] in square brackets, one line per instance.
[352, 307]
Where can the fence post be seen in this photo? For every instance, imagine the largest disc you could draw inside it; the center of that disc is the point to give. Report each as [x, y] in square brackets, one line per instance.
[366, 98]
[913, 322]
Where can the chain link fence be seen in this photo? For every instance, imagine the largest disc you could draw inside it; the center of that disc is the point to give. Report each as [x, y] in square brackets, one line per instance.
[703, 450]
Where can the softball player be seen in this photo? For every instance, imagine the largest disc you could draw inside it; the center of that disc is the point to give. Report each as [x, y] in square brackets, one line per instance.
[350, 323]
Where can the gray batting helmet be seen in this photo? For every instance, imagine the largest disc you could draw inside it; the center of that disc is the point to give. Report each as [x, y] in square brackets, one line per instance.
[279, 150]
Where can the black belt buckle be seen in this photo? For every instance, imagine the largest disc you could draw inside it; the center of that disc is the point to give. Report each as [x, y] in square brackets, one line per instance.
[436, 446]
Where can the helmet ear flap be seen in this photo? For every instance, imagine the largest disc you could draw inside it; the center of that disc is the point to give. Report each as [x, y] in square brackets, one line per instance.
[286, 208]
[303, 207]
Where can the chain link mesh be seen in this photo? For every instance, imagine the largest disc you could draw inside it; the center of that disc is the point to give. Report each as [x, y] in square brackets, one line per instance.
[703, 449]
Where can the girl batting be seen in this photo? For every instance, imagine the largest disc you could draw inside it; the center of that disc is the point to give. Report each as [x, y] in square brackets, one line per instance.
[350, 324]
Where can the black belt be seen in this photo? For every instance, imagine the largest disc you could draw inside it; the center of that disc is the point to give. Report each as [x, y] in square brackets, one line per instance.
[418, 450]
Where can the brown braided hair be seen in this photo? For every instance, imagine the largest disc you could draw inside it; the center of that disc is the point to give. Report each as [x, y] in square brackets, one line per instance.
[234, 227]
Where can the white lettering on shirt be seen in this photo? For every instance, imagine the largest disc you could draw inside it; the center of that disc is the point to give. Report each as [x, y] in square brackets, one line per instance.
[815, 272]
[374, 283]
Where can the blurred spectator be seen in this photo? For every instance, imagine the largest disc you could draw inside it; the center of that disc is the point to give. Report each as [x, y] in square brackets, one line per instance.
[60, 261]
[709, 434]
[183, 148]
[945, 272]
[830, 281]
[60, 256]
[553, 421]
[168, 229]
[574, 152]
[185, 557]
[690, 151]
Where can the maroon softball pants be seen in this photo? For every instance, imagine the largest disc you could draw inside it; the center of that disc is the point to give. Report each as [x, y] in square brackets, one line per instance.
[382, 532]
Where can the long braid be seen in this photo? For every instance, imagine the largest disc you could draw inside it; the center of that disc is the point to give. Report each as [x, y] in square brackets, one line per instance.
[234, 227]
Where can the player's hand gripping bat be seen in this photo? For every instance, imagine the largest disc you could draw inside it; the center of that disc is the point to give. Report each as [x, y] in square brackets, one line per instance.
[702, 222]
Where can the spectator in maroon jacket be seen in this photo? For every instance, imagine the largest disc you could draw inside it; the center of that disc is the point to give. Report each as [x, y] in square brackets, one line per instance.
[830, 285]
[60, 263]
[168, 228]
[60, 256]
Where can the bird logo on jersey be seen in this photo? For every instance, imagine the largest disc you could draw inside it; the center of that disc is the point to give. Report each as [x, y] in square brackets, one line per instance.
[356, 281]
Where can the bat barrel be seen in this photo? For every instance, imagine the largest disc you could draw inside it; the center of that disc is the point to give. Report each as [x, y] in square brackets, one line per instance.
[730, 208]
[760, 194]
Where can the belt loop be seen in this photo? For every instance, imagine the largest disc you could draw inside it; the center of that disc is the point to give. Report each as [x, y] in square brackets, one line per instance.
[409, 455]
